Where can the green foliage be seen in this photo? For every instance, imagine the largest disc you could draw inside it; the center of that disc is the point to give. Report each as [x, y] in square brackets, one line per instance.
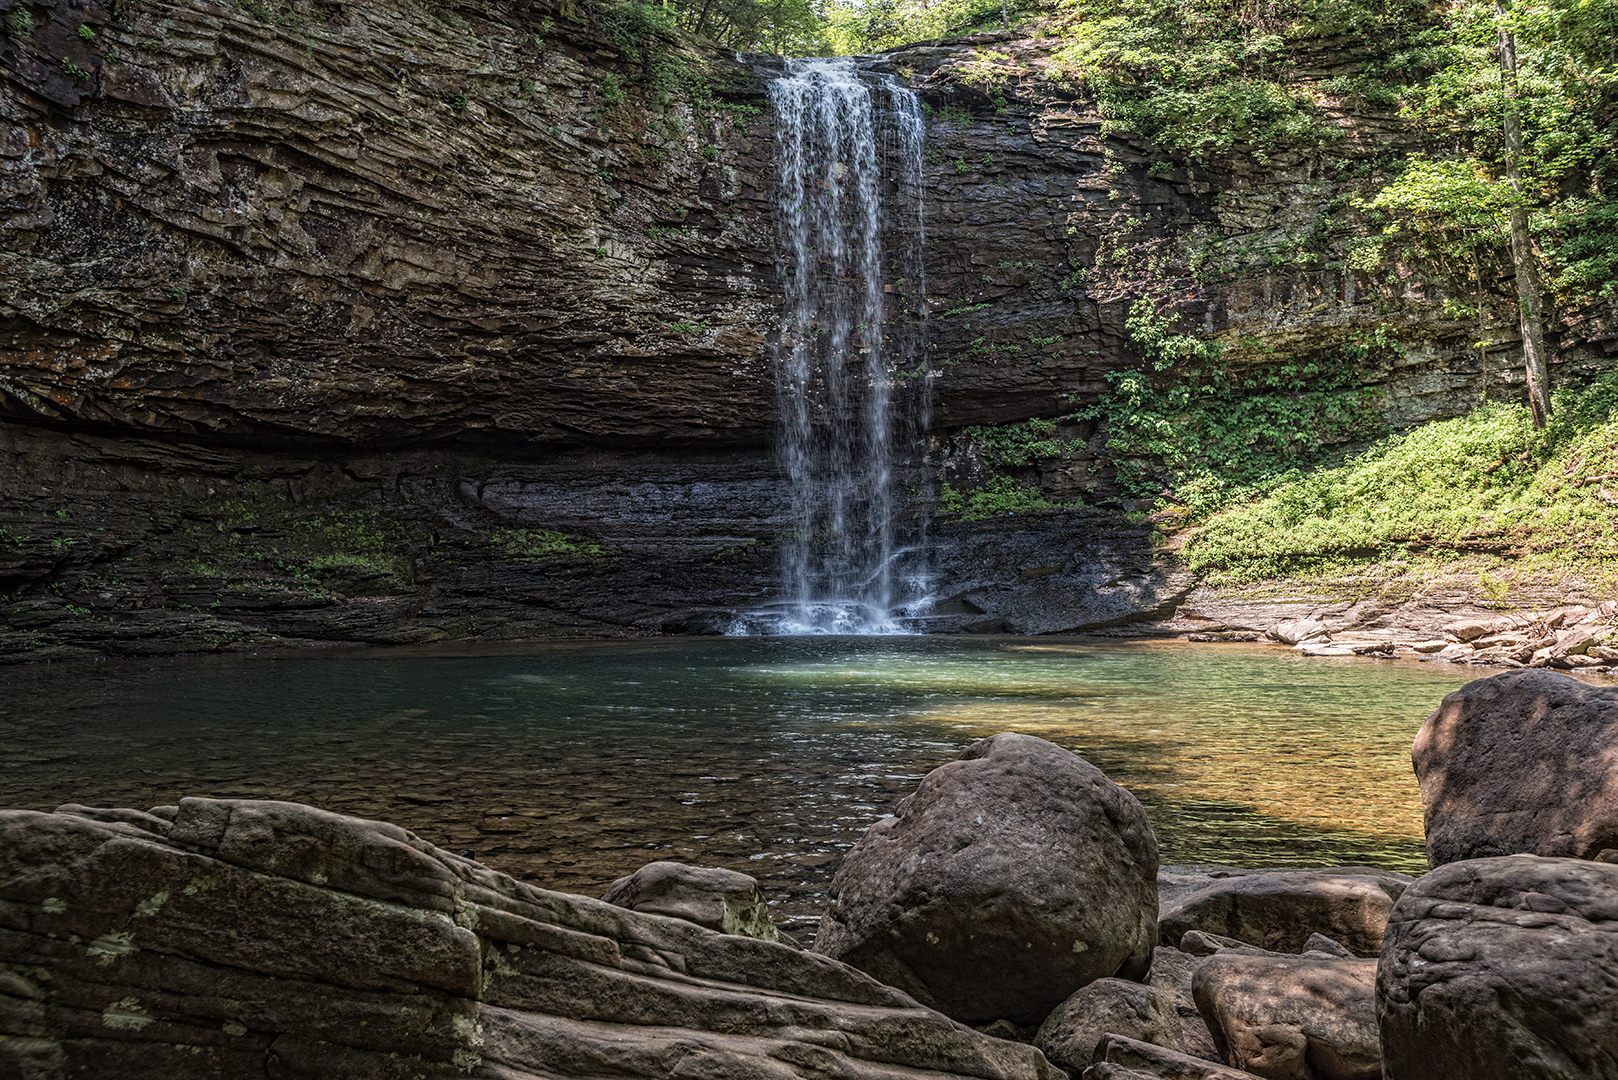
[1202, 78]
[1187, 426]
[869, 26]
[785, 27]
[1451, 214]
[1010, 446]
[1484, 482]
[544, 545]
[1001, 495]
[20, 23]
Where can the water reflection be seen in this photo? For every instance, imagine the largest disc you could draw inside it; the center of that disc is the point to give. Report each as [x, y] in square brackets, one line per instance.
[570, 764]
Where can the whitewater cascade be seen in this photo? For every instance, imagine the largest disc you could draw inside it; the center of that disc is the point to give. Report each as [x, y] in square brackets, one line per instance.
[852, 390]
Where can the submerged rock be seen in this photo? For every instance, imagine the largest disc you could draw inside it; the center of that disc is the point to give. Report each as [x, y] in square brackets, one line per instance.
[1009, 879]
[1523, 762]
[1292, 1017]
[261, 938]
[1503, 969]
[719, 899]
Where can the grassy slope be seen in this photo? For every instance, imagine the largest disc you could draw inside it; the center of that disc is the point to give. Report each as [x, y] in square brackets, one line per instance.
[1483, 497]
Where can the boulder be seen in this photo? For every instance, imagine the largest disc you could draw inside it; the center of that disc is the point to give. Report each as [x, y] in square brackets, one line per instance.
[1472, 629]
[1280, 909]
[1069, 1036]
[1012, 877]
[1525, 762]
[1503, 969]
[1292, 1017]
[1160, 1061]
[1296, 631]
[1320, 943]
[1108, 1071]
[721, 900]
[1172, 971]
[270, 939]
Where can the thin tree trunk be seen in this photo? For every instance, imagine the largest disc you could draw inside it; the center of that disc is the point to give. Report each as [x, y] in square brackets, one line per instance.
[1522, 252]
[1005, 16]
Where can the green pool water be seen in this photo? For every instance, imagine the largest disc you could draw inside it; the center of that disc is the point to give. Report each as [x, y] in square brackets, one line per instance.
[571, 764]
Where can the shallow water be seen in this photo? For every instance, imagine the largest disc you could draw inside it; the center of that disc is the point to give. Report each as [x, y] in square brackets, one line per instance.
[572, 764]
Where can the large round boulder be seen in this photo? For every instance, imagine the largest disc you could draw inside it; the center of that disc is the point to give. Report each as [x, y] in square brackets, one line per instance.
[1525, 762]
[1012, 877]
[1503, 969]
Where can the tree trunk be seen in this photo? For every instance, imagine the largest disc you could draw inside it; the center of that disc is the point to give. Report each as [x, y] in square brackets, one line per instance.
[1005, 16]
[1522, 252]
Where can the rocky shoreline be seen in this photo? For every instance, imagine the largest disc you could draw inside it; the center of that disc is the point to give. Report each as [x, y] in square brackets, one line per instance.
[1568, 637]
[991, 928]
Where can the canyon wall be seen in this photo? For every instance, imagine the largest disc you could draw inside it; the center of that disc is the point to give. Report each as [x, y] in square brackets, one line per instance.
[390, 322]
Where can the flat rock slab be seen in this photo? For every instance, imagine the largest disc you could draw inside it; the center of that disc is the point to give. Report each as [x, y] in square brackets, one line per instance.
[1525, 762]
[1503, 969]
[241, 938]
[1292, 1017]
[1012, 877]
[1280, 909]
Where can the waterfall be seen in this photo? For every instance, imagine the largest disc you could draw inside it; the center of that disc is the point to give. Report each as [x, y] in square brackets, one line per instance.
[852, 390]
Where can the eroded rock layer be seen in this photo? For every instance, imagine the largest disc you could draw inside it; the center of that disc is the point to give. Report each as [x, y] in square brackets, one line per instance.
[242, 938]
[390, 322]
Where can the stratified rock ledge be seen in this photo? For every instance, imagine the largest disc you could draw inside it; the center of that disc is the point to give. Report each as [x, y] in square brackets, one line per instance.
[243, 938]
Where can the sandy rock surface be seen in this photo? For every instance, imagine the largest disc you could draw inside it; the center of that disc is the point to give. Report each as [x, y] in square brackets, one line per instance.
[1292, 1017]
[1280, 909]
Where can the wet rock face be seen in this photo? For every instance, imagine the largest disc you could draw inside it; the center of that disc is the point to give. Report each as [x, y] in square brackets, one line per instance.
[265, 254]
[384, 224]
[244, 938]
[1523, 762]
[1502, 967]
[1011, 878]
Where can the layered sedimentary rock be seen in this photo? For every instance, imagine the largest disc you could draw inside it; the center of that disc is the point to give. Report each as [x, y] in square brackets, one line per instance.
[388, 322]
[245, 938]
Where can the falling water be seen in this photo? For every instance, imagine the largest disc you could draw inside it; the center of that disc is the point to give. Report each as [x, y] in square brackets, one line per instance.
[852, 391]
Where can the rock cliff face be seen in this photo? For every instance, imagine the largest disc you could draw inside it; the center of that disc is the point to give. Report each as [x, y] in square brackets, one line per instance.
[381, 322]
